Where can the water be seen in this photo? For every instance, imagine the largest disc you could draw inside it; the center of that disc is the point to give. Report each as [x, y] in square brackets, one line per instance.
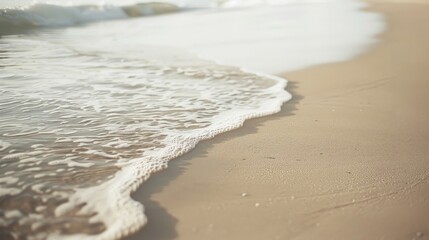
[89, 111]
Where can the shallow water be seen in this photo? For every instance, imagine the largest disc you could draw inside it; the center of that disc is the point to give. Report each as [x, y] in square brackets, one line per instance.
[79, 130]
[89, 112]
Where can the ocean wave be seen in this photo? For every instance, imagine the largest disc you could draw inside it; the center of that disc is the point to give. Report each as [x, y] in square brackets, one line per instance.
[81, 131]
[40, 15]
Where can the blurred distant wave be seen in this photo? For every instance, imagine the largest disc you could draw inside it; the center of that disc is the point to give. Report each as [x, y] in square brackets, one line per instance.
[40, 15]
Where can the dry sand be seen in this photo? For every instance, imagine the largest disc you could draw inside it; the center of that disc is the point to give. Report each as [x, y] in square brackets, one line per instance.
[347, 158]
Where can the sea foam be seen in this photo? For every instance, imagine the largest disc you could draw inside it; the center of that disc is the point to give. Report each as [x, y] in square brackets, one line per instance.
[81, 130]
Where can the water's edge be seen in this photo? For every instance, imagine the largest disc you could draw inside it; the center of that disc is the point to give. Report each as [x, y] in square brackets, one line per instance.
[128, 186]
[117, 192]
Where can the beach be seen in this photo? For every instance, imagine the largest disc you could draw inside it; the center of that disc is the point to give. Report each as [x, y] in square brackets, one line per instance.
[346, 158]
[236, 119]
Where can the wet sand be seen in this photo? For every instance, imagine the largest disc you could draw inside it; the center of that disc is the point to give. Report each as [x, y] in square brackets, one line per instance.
[346, 158]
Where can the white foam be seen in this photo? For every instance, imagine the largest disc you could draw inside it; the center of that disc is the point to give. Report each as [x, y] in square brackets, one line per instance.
[70, 163]
[118, 189]
[142, 123]
[4, 145]
[12, 214]
[4, 191]
[38, 189]
[21, 154]
[8, 180]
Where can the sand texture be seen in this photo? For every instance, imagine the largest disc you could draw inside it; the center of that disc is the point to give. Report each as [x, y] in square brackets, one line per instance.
[347, 158]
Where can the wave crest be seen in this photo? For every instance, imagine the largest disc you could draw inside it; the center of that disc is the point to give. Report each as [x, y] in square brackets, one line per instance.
[18, 20]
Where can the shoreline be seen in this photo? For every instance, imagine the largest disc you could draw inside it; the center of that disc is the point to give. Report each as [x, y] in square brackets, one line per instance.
[346, 158]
